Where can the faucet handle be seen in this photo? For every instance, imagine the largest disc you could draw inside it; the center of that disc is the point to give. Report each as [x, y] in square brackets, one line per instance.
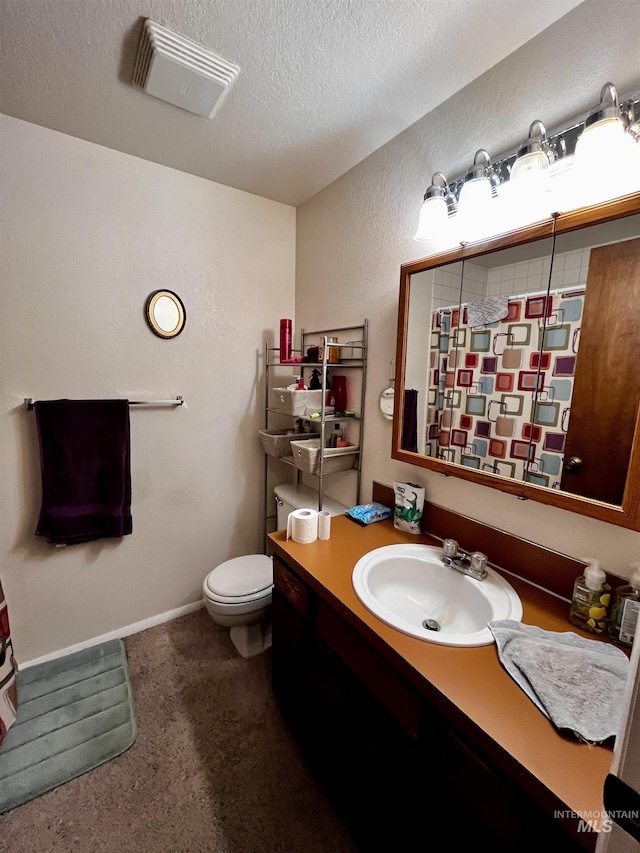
[450, 548]
[478, 561]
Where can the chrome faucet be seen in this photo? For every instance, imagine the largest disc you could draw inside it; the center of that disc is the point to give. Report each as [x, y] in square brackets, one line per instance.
[474, 565]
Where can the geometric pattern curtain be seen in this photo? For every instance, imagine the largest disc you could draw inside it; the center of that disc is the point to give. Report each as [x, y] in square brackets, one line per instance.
[484, 381]
[8, 697]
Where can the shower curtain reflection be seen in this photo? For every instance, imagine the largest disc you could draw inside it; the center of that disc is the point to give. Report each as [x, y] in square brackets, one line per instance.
[483, 409]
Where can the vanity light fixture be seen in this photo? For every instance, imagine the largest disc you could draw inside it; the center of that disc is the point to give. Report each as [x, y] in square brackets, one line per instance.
[438, 204]
[541, 177]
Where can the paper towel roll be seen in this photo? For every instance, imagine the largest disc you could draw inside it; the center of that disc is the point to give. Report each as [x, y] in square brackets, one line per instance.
[302, 525]
[324, 524]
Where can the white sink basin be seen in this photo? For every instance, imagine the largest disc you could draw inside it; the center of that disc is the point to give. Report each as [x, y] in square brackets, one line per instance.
[405, 585]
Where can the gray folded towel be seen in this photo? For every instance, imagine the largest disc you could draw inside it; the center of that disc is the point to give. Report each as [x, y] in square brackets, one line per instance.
[490, 310]
[576, 682]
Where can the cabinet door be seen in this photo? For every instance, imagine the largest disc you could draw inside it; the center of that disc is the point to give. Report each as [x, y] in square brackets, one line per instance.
[482, 803]
[364, 758]
[387, 688]
[289, 659]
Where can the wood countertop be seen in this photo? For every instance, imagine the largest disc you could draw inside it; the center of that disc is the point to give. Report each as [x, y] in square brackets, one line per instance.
[469, 685]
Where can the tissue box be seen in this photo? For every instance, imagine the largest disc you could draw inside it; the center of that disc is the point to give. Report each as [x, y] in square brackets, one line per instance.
[306, 457]
[277, 442]
[299, 403]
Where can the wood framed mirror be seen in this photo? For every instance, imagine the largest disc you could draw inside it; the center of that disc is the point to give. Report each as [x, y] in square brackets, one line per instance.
[165, 313]
[517, 362]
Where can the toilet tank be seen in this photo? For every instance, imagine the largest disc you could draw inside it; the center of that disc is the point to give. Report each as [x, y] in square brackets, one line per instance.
[290, 496]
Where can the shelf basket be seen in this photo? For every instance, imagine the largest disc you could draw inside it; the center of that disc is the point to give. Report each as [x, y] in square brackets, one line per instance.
[277, 442]
[306, 457]
[299, 403]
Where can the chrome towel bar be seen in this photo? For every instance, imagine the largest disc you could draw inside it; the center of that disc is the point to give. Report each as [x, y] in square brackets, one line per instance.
[29, 402]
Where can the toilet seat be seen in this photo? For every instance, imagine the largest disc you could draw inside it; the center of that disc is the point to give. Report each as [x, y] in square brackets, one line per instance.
[240, 580]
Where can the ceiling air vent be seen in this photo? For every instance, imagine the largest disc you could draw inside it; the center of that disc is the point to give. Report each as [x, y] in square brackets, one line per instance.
[181, 72]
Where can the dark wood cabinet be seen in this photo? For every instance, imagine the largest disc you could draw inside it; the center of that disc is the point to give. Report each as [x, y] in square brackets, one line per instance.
[359, 734]
[402, 775]
[363, 757]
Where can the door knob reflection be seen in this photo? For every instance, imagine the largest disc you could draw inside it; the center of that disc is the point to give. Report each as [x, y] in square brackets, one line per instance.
[573, 464]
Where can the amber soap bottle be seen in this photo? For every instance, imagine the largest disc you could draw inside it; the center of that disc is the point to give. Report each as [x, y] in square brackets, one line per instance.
[590, 602]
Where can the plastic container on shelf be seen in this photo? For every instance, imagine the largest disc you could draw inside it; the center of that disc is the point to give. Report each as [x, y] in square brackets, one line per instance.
[333, 353]
[277, 442]
[306, 457]
[625, 608]
[293, 402]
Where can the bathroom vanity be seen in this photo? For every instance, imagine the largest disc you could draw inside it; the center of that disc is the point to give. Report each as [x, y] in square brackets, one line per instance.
[418, 744]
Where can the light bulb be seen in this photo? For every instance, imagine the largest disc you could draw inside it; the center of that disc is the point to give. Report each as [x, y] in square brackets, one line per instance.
[432, 223]
[528, 197]
[606, 163]
[475, 210]
[533, 166]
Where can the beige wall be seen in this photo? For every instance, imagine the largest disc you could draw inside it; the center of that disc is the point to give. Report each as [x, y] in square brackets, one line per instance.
[87, 233]
[353, 237]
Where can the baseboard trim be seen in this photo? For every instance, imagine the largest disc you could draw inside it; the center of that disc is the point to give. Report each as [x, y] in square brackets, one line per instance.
[126, 631]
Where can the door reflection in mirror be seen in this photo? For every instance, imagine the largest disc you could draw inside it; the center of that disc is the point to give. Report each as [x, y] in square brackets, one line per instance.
[429, 289]
[605, 390]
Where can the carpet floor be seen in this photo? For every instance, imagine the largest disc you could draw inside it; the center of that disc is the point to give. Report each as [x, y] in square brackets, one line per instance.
[213, 768]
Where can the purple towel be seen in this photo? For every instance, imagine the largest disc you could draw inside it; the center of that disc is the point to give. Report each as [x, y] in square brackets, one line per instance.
[409, 439]
[85, 467]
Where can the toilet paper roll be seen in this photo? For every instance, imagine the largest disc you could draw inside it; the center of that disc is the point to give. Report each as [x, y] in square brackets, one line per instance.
[302, 525]
[324, 524]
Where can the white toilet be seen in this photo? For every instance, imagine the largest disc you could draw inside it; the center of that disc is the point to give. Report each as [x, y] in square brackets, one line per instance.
[237, 593]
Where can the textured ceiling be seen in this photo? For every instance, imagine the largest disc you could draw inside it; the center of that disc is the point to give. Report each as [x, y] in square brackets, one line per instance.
[323, 83]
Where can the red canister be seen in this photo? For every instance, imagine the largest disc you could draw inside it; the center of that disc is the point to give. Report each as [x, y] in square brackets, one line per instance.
[285, 340]
[339, 388]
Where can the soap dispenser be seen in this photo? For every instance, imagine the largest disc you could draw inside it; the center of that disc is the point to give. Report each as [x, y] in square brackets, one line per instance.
[624, 610]
[590, 601]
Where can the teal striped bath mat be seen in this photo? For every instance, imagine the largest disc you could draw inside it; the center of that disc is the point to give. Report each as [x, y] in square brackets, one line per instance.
[74, 713]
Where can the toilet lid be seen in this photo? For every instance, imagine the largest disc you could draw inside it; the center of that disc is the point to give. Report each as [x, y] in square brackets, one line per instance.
[241, 576]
